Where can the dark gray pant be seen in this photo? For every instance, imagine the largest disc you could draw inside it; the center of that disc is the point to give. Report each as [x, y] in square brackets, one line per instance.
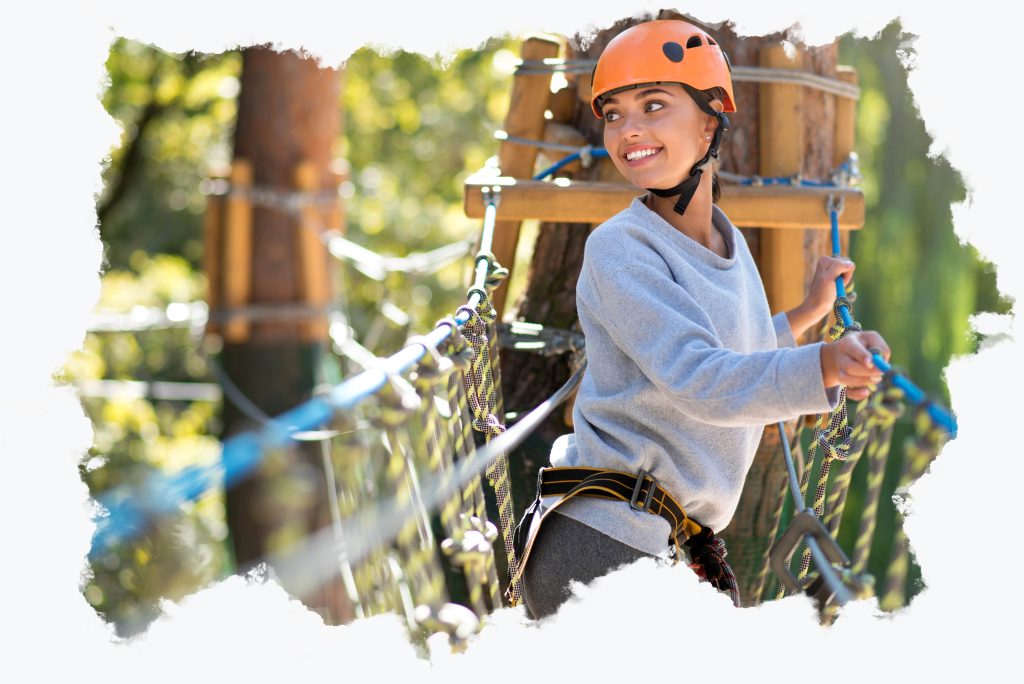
[567, 550]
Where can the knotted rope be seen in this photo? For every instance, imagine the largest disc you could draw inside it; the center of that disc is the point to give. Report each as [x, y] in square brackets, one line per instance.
[707, 559]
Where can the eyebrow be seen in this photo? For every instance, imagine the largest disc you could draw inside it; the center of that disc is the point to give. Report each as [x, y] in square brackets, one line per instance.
[637, 96]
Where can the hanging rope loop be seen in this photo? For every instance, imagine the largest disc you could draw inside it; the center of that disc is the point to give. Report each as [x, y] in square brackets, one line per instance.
[707, 555]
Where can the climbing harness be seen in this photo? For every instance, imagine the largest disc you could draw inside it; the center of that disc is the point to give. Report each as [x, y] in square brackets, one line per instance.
[643, 493]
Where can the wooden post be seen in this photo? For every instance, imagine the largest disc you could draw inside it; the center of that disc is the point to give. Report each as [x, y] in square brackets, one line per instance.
[238, 250]
[531, 94]
[311, 254]
[782, 152]
[845, 134]
[213, 238]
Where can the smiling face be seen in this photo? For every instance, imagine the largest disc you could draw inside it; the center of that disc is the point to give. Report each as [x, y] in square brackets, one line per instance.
[655, 133]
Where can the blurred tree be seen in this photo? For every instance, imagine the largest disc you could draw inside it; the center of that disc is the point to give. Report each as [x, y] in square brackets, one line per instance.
[287, 114]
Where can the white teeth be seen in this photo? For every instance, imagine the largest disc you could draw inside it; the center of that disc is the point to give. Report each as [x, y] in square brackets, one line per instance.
[640, 154]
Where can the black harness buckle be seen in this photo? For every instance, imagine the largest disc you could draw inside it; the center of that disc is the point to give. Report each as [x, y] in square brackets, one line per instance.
[640, 479]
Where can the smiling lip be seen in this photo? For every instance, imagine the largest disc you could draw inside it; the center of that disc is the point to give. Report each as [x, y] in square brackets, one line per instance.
[641, 160]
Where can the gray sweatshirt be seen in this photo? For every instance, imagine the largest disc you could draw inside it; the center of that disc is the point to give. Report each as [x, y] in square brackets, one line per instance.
[685, 367]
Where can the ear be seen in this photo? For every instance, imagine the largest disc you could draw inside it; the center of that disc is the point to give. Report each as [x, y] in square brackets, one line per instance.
[711, 122]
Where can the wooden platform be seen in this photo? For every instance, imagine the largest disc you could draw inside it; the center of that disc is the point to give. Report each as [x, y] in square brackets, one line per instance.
[746, 206]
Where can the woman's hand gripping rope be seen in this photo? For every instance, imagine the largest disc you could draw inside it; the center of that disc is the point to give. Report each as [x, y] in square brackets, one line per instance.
[822, 292]
[847, 361]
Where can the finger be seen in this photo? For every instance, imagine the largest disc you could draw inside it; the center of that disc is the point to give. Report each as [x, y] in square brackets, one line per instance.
[834, 265]
[842, 263]
[857, 394]
[857, 350]
[872, 340]
[858, 376]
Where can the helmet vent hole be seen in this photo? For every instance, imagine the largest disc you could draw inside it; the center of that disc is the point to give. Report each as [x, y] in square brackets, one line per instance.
[711, 41]
[694, 41]
[673, 50]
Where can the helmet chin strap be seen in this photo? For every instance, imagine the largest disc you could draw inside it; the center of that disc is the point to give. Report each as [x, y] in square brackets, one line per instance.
[688, 186]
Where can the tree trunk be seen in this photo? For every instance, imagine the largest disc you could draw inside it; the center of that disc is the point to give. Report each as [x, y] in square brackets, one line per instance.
[549, 295]
[288, 113]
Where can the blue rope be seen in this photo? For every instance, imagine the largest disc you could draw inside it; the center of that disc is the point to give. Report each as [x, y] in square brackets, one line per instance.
[753, 180]
[940, 415]
[557, 166]
[784, 180]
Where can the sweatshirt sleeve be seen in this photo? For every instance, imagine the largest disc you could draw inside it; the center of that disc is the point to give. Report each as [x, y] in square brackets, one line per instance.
[783, 331]
[658, 324]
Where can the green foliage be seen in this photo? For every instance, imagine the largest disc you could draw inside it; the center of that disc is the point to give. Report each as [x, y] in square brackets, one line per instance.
[916, 283]
[413, 133]
[177, 114]
[135, 437]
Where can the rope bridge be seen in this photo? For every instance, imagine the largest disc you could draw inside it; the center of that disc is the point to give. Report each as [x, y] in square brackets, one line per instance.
[406, 476]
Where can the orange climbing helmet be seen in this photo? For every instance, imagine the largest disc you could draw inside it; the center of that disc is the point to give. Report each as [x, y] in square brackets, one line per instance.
[663, 50]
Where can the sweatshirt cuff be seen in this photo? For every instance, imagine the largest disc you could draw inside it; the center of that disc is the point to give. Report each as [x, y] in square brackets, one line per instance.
[783, 333]
[801, 383]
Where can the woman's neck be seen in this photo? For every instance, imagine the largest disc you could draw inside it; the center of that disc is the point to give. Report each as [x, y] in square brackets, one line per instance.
[695, 223]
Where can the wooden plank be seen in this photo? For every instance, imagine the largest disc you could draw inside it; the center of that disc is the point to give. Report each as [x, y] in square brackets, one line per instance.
[781, 126]
[238, 249]
[771, 206]
[213, 237]
[311, 254]
[845, 133]
[530, 96]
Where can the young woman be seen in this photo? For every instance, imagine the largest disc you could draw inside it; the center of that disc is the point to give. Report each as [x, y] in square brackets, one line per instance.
[686, 365]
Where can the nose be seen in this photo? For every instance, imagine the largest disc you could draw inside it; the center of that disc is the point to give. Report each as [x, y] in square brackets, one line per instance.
[631, 126]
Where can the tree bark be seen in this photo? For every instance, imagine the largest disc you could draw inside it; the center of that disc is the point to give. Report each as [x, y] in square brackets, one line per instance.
[288, 113]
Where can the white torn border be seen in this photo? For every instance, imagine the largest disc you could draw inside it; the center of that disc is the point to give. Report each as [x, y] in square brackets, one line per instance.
[963, 527]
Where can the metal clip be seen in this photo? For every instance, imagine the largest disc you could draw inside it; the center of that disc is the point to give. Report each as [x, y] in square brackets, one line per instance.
[834, 203]
[642, 477]
[806, 524]
[586, 156]
[492, 194]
